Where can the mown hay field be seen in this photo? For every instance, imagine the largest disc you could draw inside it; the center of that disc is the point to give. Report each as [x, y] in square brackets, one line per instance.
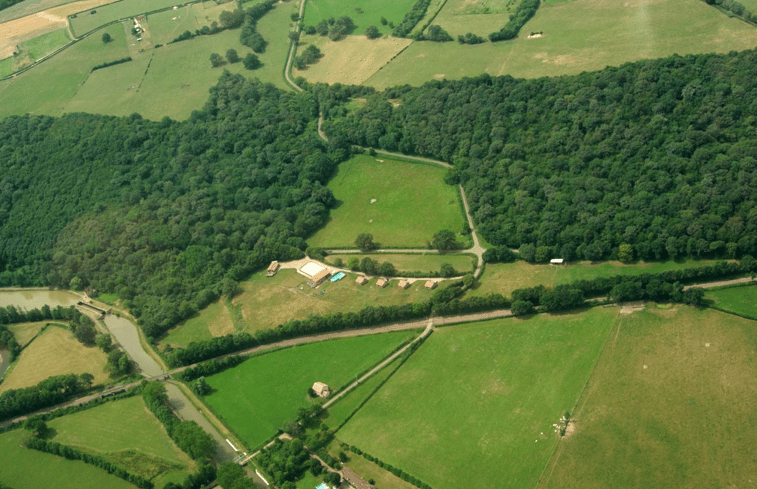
[364, 13]
[91, 19]
[739, 300]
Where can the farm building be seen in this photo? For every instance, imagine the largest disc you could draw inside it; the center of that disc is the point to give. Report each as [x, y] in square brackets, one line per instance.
[319, 278]
[430, 284]
[403, 284]
[361, 280]
[355, 480]
[557, 261]
[381, 282]
[315, 273]
[272, 269]
[321, 390]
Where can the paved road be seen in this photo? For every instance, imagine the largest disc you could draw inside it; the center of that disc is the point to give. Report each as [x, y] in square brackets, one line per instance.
[292, 50]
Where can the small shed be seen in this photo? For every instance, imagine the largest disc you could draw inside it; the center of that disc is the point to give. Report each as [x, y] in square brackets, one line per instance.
[272, 269]
[430, 284]
[355, 480]
[361, 280]
[557, 261]
[403, 284]
[319, 278]
[321, 390]
[382, 282]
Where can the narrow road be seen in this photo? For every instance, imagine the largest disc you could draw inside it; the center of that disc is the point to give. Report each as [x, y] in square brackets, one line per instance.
[292, 50]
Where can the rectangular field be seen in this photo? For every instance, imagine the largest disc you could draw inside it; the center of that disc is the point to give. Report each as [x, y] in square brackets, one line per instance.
[404, 214]
[89, 20]
[671, 403]
[476, 404]
[482, 17]
[364, 13]
[412, 262]
[503, 278]
[257, 397]
[739, 300]
[25, 332]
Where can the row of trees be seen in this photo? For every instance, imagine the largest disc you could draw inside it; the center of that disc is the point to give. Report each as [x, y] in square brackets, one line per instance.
[523, 13]
[310, 55]
[51, 391]
[736, 8]
[394, 470]
[411, 19]
[249, 36]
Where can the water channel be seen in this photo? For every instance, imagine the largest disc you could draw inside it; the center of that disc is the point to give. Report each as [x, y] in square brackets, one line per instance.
[125, 333]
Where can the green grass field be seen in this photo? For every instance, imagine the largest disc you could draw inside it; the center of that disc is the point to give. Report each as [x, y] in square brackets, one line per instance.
[620, 32]
[475, 405]
[739, 300]
[22, 468]
[503, 278]
[87, 21]
[166, 26]
[364, 13]
[482, 17]
[6, 67]
[45, 44]
[25, 332]
[404, 214]
[412, 262]
[126, 433]
[369, 470]
[671, 403]
[260, 395]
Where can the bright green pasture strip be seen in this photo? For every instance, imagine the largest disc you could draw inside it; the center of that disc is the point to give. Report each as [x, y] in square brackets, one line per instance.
[479, 24]
[503, 278]
[671, 403]
[45, 44]
[196, 328]
[739, 300]
[87, 21]
[412, 262]
[364, 13]
[618, 34]
[475, 405]
[6, 67]
[260, 395]
[49, 86]
[309, 481]
[412, 203]
[274, 27]
[22, 468]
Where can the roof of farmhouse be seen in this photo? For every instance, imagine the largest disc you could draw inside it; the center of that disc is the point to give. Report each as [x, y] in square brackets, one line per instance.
[311, 269]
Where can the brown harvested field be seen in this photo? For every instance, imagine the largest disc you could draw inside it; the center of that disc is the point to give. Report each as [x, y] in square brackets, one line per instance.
[350, 61]
[54, 352]
[15, 31]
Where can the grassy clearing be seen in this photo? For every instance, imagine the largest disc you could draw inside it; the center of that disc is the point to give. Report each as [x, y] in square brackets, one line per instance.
[55, 352]
[92, 19]
[739, 300]
[368, 470]
[213, 319]
[620, 32]
[25, 332]
[138, 441]
[404, 214]
[166, 26]
[6, 67]
[503, 278]
[364, 13]
[670, 404]
[481, 17]
[475, 395]
[412, 262]
[260, 395]
[39, 47]
[29, 469]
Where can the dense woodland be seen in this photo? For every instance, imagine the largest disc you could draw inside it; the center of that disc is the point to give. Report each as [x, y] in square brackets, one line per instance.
[660, 154]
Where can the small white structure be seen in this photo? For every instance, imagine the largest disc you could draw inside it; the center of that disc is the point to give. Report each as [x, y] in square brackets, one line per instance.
[311, 269]
[557, 261]
[321, 390]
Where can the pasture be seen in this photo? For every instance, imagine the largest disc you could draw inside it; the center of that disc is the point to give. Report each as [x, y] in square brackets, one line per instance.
[166, 26]
[364, 13]
[257, 397]
[476, 404]
[738, 300]
[266, 302]
[25, 332]
[23, 468]
[411, 262]
[481, 17]
[39, 47]
[671, 403]
[431, 12]
[404, 214]
[54, 352]
[503, 278]
[138, 441]
[91, 19]
[6, 67]
[620, 32]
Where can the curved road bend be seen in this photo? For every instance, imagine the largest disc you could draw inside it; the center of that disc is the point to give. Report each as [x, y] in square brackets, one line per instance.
[290, 57]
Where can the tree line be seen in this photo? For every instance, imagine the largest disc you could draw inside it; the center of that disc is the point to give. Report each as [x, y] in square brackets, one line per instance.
[51, 391]
[523, 13]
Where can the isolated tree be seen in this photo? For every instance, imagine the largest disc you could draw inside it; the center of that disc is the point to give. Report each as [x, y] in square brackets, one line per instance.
[86, 379]
[322, 28]
[251, 62]
[106, 38]
[85, 333]
[310, 30]
[232, 56]
[384, 21]
[294, 36]
[36, 426]
[365, 242]
[201, 387]
[625, 252]
[444, 240]
[216, 60]
[372, 32]
[447, 270]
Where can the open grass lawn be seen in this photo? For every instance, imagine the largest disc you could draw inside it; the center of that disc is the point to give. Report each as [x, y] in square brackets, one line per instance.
[481, 17]
[25, 332]
[55, 352]
[670, 404]
[6, 67]
[22, 468]
[126, 433]
[260, 395]
[475, 405]
[167, 26]
[215, 318]
[369, 470]
[739, 300]
[40, 46]
[88, 21]
[503, 278]
[405, 213]
[412, 262]
[364, 13]
[619, 32]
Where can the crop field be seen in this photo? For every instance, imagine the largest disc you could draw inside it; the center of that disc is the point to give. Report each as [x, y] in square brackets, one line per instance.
[266, 302]
[620, 32]
[260, 395]
[137, 441]
[739, 300]
[29, 469]
[25, 332]
[403, 214]
[54, 352]
[92, 19]
[412, 262]
[670, 404]
[503, 278]
[364, 13]
[476, 404]
[351, 60]
[481, 17]
[60, 8]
